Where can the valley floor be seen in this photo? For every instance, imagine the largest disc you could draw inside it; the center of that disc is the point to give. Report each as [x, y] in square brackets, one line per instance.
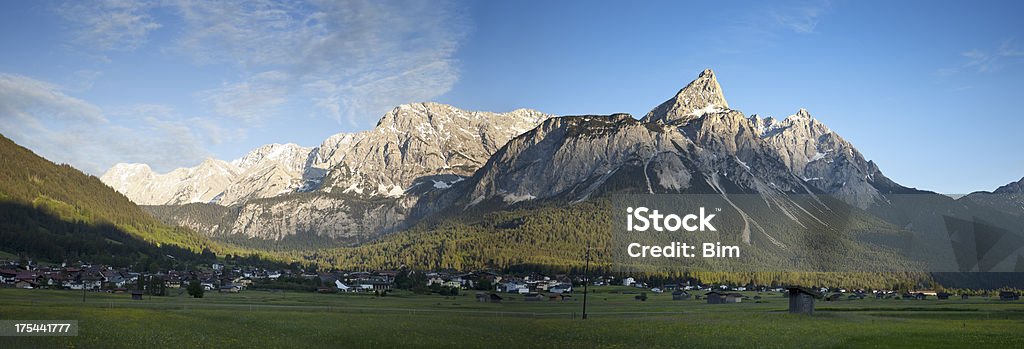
[289, 319]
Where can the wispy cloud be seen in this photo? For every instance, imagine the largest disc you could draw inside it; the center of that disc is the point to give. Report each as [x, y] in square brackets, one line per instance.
[802, 18]
[62, 128]
[350, 61]
[109, 25]
[989, 60]
[251, 101]
[754, 28]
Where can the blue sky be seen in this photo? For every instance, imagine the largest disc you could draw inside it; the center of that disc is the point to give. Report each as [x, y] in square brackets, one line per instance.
[929, 90]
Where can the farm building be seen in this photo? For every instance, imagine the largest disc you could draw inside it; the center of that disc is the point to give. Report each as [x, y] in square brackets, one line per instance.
[484, 297]
[680, 295]
[801, 300]
[715, 297]
[1009, 296]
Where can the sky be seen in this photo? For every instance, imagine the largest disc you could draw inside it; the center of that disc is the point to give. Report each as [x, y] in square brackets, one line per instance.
[929, 90]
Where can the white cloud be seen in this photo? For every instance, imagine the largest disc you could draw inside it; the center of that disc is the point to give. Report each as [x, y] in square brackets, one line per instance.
[109, 25]
[64, 129]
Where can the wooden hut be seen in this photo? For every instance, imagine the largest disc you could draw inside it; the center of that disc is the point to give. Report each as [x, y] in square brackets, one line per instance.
[136, 295]
[715, 297]
[801, 300]
[533, 297]
[680, 295]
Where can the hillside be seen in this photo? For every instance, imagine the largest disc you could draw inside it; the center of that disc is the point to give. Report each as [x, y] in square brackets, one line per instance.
[56, 212]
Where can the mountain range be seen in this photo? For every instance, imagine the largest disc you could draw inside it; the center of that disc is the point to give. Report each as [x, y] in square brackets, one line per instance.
[357, 186]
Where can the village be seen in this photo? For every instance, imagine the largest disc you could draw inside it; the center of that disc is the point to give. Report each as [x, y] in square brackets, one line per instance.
[487, 286]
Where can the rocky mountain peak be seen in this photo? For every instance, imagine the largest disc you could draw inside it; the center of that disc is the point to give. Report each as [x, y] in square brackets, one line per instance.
[291, 156]
[1012, 188]
[702, 95]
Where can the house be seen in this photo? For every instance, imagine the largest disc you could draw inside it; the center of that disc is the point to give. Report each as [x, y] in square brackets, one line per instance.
[230, 289]
[628, 281]
[25, 284]
[561, 288]
[680, 295]
[8, 276]
[1008, 296]
[342, 286]
[801, 300]
[515, 287]
[372, 285]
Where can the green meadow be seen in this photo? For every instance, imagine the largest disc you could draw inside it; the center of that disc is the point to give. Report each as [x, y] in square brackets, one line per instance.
[267, 319]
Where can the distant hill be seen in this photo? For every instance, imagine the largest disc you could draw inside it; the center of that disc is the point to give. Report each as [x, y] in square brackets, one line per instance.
[56, 212]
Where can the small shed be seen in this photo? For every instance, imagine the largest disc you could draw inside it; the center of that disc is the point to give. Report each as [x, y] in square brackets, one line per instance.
[1009, 296]
[942, 295]
[965, 296]
[834, 297]
[715, 297]
[801, 300]
[136, 295]
[733, 297]
[533, 297]
[680, 295]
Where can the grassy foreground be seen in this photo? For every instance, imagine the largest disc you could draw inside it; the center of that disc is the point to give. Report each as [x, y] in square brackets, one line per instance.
[288, 319]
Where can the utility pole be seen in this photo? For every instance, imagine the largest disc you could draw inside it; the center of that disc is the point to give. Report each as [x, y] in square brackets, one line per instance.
[586, 280]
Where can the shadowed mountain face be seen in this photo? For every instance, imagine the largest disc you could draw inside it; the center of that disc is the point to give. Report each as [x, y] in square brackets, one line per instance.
[58, 213]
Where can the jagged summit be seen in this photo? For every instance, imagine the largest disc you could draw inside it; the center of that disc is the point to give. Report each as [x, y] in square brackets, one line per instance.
[702, 95]
[1012, 188]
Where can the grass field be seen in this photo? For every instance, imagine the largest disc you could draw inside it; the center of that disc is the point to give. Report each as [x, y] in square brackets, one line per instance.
[266, 319]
